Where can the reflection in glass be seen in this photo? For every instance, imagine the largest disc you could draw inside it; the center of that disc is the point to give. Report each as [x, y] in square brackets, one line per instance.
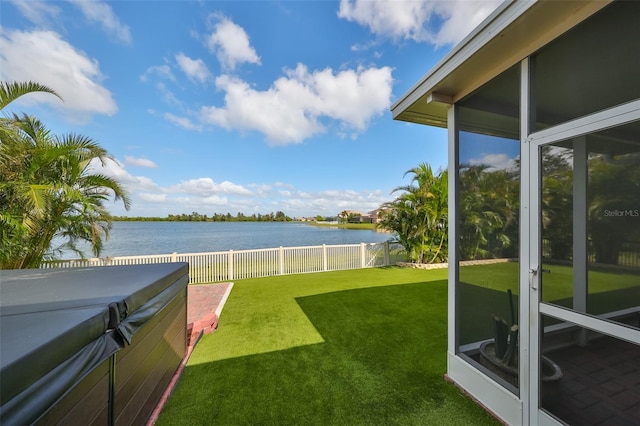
[591, 223]
[488, 183]
[489, 189]
[557, 223]
[599, 378]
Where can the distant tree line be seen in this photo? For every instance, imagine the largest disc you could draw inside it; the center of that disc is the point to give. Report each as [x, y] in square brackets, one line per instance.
[216, 217]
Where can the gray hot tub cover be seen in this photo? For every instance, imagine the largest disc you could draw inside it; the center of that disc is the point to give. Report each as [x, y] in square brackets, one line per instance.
[57, 325]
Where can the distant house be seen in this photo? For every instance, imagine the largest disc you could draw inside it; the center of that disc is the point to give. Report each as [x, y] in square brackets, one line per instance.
[543, 95]
[376, 215]
[364, 218]
[305, 219]
[331, 219]
[348, 213]
[354, 216]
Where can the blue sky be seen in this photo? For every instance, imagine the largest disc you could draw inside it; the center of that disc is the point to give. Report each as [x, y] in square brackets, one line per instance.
[238, 106]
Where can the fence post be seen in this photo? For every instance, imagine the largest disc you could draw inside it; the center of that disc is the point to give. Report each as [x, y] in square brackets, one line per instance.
[363, 253]
[230, 265]
[174, 257]
[325, 261]
[281, 260]
[387, 254]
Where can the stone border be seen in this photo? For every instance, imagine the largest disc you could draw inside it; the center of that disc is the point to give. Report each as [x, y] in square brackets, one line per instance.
[446, 265]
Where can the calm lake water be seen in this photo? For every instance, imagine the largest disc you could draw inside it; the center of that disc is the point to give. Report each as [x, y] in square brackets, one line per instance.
[143, 238]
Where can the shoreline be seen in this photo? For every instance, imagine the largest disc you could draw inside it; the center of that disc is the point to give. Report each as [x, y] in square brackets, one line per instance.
[355, 226]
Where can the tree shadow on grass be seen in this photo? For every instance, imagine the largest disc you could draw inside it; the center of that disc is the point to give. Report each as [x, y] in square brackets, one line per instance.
[382, 362]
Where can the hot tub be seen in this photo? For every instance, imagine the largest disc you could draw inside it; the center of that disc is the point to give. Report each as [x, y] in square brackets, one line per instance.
[93, 345]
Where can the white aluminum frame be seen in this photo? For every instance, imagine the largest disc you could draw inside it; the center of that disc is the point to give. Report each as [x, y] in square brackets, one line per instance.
[524, 409]
[492, 395]
[528, 298]
[452, 135]
[530, 186]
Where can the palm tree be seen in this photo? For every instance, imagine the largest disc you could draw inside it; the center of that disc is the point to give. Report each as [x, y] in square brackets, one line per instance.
[48, 188]
[346, 216]
[418, 216]
[489, 206]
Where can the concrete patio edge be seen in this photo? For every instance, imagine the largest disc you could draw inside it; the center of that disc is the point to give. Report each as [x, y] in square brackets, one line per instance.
[195, 330]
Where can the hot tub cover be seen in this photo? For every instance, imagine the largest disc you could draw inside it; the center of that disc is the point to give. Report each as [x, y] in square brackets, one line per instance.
[57, 325]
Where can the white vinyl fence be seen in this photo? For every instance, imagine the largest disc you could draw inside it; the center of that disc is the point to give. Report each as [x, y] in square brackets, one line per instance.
[234, 265]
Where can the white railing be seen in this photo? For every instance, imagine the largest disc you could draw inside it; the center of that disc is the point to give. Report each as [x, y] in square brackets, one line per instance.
[234, 265]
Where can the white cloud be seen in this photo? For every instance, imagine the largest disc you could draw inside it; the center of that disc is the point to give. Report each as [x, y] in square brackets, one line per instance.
[117, 170]
[291, 109]
[160, 74]
[260, 188]
[195, 69]
[332, 202]
[284, 185]
[497, 161]
[183, 122]
[140, 162]
[206, 196]
[247, 109]
[206, 187]
[215, 200]
[168, 96]
[153, 198]
[230, 43]
[44, 57]
[102, 13]
[43, 14]
[437, 22]
[164, 71]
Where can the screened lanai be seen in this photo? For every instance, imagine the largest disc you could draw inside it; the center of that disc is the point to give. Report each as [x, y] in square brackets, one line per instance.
[542, 103]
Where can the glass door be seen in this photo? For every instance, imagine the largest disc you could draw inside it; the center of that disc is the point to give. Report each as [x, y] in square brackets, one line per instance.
[584, 271]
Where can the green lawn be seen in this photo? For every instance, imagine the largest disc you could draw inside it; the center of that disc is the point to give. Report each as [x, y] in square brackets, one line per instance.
[608, 290]
[557, 281]
[482, 294]
[360, 347]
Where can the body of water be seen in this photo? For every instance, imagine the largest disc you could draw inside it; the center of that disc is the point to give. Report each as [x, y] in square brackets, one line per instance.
[146, 238]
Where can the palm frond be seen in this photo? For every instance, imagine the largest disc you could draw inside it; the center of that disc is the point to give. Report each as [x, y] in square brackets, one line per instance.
[37, 195]
[10, 91]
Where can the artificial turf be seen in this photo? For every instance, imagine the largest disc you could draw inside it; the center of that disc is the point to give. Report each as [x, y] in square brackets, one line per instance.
[360, 347]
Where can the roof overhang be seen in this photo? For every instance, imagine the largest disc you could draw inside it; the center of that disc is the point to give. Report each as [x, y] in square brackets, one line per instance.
[512, 32]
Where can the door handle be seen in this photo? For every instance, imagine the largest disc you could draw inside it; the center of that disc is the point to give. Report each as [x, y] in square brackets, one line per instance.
[533, 273]
[533, 282]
